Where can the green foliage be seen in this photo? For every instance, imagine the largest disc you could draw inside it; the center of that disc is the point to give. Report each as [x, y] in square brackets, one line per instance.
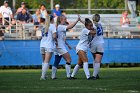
[75, 4]
[34, 4]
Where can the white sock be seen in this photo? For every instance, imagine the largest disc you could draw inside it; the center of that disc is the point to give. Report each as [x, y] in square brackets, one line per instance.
[44, 69]
[75, 70]
[86, 70]
[68, 70]
[54, 70]
[42, 64]
[96, 69]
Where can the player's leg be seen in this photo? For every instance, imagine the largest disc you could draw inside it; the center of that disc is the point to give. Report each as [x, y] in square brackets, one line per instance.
[82, 55]
[76, 68]
[42, 51]
[97, 60]
[55, 65]
[67, 57]
[45, 67]
[94, 56]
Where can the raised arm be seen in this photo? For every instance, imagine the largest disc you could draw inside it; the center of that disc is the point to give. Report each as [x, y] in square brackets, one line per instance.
[73, 24]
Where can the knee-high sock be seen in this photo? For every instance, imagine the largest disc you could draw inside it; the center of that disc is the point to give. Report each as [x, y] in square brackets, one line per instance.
[54, 70]
[75, 70]
[42, 64]
[96, 69]
[68, 69]
[86, 70]
[44, 69]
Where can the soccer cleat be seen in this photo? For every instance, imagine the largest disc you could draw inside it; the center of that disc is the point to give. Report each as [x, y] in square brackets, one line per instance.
[42, 78]
[94, 78]
[97, 77]
[73, 78]
[54, 78]
[89, 78]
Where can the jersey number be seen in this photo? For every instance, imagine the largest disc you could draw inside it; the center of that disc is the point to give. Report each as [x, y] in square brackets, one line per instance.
[99, 31]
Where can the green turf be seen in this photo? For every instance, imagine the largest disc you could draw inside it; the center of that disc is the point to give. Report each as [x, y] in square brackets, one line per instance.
[113, 80]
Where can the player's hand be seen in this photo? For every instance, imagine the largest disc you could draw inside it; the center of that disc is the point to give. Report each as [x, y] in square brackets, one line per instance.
[79, 17]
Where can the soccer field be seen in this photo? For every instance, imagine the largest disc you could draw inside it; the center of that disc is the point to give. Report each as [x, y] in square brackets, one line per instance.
[113, 80]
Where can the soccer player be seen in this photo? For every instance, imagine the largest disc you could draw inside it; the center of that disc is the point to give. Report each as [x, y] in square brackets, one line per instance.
[57, 61]
[82, 48]
[97, 46]
[47, 46]
[61, 34]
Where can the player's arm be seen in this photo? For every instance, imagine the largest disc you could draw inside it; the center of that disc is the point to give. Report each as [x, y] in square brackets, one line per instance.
[73, 24]
[68, 45]
[55, 38]
[82, 21]
[92, 32]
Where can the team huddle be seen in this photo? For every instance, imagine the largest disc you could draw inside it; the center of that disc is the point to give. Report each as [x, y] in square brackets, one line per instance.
[54, 41]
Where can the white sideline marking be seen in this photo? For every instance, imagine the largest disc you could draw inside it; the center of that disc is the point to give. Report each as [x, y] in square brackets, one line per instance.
[133, 91]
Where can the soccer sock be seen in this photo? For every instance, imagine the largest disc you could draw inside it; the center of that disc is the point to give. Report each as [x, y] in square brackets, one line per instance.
[42, 64]
[75, 70]
[54, 70]
[44, 69]
[96, 69]
[57, 60]
[68, 69]
[86, 70]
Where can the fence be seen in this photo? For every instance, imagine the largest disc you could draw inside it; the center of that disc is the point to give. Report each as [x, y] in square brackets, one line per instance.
[110, 23]
[27, 52]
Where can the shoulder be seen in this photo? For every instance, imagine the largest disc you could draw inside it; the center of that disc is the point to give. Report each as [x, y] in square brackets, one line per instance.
[85, 31]
[52, 26]
[9, 8]
[60, 10]
[61, 26]
[99, 24]
[2, 7]
[53, 10]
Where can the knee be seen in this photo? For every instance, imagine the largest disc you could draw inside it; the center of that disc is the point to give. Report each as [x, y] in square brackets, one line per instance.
[68, 60]
[97, 61]
[84, 59]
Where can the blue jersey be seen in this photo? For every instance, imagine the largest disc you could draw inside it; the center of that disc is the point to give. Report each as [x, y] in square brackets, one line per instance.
[58, 13]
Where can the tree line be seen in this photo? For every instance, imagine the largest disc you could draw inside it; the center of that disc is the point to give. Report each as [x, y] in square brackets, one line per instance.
[76, 4]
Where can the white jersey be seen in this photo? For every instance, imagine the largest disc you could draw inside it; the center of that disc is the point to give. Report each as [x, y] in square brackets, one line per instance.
[84, 40]
[5, 11]
[61, 32]
[98, 38]
[47, 38]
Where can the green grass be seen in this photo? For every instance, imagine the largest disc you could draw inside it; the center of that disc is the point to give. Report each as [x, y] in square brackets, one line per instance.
[113, 80]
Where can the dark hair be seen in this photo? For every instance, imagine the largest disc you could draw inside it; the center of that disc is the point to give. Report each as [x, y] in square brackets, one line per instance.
[42, 5]
[94, 16]
[51, 17]
[42, 20]
[87, 21]
[59, 19]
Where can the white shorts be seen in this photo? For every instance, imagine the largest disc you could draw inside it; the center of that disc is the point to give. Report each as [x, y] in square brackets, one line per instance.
[78, 49]
[60, 51]
[44, 50]
[97, 48]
